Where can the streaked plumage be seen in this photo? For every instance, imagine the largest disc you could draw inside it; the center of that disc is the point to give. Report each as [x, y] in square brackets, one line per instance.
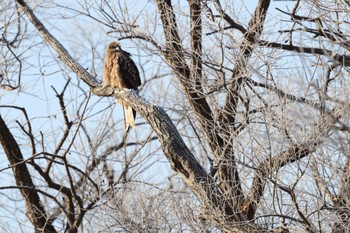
[120, 71]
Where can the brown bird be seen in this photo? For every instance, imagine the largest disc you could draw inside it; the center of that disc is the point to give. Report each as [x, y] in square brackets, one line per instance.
[120, 71]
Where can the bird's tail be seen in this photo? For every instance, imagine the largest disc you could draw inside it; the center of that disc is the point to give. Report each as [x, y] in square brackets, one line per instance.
[129, 116]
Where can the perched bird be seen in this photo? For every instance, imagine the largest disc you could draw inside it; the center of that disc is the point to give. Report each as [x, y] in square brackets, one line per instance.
[120, 71]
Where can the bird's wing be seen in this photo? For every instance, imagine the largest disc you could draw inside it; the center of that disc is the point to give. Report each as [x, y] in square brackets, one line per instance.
[129, 70]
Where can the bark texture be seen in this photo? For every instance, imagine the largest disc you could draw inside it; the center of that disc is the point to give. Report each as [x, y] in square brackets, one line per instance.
[34, 207]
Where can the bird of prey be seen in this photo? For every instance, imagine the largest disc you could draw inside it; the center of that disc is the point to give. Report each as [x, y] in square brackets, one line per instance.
[120, 71]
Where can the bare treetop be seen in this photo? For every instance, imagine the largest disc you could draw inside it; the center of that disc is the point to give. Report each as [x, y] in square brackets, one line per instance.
[242, 116]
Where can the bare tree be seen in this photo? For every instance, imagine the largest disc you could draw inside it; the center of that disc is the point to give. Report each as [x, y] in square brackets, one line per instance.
[249, 106]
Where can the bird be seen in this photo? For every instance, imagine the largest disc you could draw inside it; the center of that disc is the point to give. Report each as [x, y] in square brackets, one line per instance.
[120, 71]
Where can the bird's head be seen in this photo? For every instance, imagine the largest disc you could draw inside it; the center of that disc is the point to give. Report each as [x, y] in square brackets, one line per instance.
[114, 46]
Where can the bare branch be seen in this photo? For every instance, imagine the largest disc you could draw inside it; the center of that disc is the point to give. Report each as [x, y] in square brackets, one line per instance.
[292, 154]
[35, 209]
[57, 46]
[255, 28]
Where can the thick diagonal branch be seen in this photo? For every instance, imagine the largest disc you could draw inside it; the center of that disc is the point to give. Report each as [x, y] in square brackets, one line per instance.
[179, 156]
[34, 207]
